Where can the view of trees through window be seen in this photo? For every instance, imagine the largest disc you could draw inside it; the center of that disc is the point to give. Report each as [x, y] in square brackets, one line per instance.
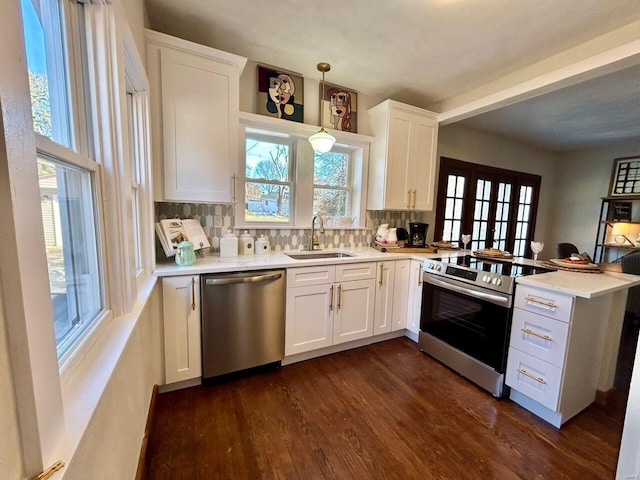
[331, 181]
[268, 187]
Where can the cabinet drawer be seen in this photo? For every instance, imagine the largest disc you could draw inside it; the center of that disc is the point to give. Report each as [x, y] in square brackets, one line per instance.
[550, 304]
[306, 276]
[534, 378]
[542, 337]
[355, 271]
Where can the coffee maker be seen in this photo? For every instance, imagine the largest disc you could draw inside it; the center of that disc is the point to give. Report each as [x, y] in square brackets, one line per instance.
[418, 234]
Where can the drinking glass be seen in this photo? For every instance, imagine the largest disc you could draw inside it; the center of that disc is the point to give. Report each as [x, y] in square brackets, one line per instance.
[466, 238]
[536, 248]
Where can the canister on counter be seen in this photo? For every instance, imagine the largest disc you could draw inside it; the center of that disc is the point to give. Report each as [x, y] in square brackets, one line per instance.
[245, 244]
[262, 245]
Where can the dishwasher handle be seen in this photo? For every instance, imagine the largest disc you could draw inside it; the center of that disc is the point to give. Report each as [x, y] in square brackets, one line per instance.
[253, 279]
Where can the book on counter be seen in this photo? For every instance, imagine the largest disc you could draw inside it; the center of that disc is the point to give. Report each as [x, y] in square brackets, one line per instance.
[172, 231]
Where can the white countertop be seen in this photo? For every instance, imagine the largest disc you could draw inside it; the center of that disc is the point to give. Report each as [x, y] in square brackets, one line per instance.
[586, 285]
[215, 264]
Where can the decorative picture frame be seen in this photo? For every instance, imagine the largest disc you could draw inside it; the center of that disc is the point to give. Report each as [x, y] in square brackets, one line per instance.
[625, 177]
[340, 106]
[280, 93]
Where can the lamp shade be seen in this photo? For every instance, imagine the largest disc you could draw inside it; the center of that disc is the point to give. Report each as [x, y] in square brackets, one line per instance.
[321, 142]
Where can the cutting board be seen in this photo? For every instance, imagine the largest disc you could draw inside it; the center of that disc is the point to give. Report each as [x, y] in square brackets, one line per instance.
[405, 249]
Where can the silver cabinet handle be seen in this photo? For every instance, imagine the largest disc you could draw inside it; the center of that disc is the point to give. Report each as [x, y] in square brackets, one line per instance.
[409, 198]
[331, 298]
[234, 180]
[414, 198]
[339, 296]
[535, 334]
[381, 272]
[193, 294]
[530, 375]
[230, 280]
[540, 303]
[419, 276]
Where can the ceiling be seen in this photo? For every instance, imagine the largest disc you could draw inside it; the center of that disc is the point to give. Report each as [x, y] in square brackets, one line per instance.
[427, 52]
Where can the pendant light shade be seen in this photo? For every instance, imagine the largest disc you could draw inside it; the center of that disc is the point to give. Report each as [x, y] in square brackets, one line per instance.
[322, 142]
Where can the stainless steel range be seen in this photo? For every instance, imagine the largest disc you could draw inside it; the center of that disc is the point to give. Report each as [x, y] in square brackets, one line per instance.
[466, 315]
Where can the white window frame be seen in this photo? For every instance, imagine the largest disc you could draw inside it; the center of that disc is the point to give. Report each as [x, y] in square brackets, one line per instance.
[356, 145]
[44, 390]
[291, 183]
[350, 181]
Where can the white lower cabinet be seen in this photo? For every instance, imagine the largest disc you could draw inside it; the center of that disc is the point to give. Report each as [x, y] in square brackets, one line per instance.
[414, 304]
[182, 339]
[400, 295]
[322, 312]
[555, 352]
[384, 297]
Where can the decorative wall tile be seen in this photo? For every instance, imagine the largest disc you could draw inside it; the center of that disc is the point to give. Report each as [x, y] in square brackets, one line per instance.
[216, 219]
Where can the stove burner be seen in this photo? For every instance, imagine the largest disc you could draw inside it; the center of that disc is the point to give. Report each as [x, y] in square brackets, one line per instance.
[486, 273]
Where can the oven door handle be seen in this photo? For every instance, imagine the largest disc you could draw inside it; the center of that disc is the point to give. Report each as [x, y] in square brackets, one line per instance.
[496, 299]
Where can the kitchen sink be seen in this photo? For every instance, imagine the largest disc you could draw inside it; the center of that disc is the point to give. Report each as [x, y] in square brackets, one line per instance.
[312, 255]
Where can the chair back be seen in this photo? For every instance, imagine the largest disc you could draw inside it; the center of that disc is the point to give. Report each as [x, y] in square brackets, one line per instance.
[564, 250]
[631, 264]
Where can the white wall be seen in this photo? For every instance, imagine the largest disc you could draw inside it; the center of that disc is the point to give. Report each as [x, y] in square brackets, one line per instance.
[249, 97]
[10, 450]
[111, 444]
[469, 145]
[584, 176]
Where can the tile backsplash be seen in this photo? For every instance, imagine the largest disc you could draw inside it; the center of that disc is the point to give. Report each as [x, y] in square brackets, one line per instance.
[217, 219]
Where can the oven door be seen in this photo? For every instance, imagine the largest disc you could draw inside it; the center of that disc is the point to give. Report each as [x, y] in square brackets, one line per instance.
[474, 321]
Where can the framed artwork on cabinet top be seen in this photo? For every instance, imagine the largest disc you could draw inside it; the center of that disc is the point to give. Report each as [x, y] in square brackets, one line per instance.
[625, 177]
[280, 93]
[340, 107]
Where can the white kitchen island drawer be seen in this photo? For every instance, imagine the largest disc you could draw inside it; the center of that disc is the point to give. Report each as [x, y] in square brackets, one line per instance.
[542, 337]
[544, 302]
[355, 271]
[534, 378]
[308, 276]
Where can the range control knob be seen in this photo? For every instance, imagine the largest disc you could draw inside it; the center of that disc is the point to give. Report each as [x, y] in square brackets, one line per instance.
[497, 281]
[438, 267]
[431, 265]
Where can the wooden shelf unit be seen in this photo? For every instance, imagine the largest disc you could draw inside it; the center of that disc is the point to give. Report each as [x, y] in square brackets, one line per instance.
[604, 237]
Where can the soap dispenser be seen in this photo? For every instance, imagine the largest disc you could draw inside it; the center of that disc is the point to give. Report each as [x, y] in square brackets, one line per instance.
[229, 245]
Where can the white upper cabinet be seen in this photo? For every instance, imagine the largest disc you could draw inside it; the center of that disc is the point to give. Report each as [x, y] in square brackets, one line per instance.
[194, 118]
[403, 157]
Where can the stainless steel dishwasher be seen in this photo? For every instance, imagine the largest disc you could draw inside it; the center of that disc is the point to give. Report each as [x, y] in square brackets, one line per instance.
[242, 320]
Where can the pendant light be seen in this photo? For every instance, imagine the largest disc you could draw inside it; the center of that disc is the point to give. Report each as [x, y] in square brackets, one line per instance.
[322, 141]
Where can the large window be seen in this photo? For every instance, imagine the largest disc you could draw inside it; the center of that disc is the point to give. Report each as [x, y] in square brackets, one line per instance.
[68, 177]
[269, 185]
[332, 183]
[69, 214]
[497, 206]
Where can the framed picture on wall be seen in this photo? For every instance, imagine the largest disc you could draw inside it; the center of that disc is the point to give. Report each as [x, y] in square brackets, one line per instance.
[340, 107]
[280, 93]
[625, 177]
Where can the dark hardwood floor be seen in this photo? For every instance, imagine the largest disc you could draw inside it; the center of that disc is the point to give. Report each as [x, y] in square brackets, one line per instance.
[385, 411]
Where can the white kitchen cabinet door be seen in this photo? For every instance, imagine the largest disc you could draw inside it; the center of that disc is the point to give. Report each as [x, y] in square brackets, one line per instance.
[415, 297]
[182, 338]
[309, 318]
[383, 309]
[197, 99]
[400, 294]
[403, 157]
[354, 314]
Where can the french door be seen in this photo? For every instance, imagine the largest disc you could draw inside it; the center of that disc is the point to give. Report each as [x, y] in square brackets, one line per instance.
[497, 206]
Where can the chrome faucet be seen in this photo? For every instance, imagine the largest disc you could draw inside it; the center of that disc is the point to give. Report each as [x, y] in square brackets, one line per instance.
[314, 241]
